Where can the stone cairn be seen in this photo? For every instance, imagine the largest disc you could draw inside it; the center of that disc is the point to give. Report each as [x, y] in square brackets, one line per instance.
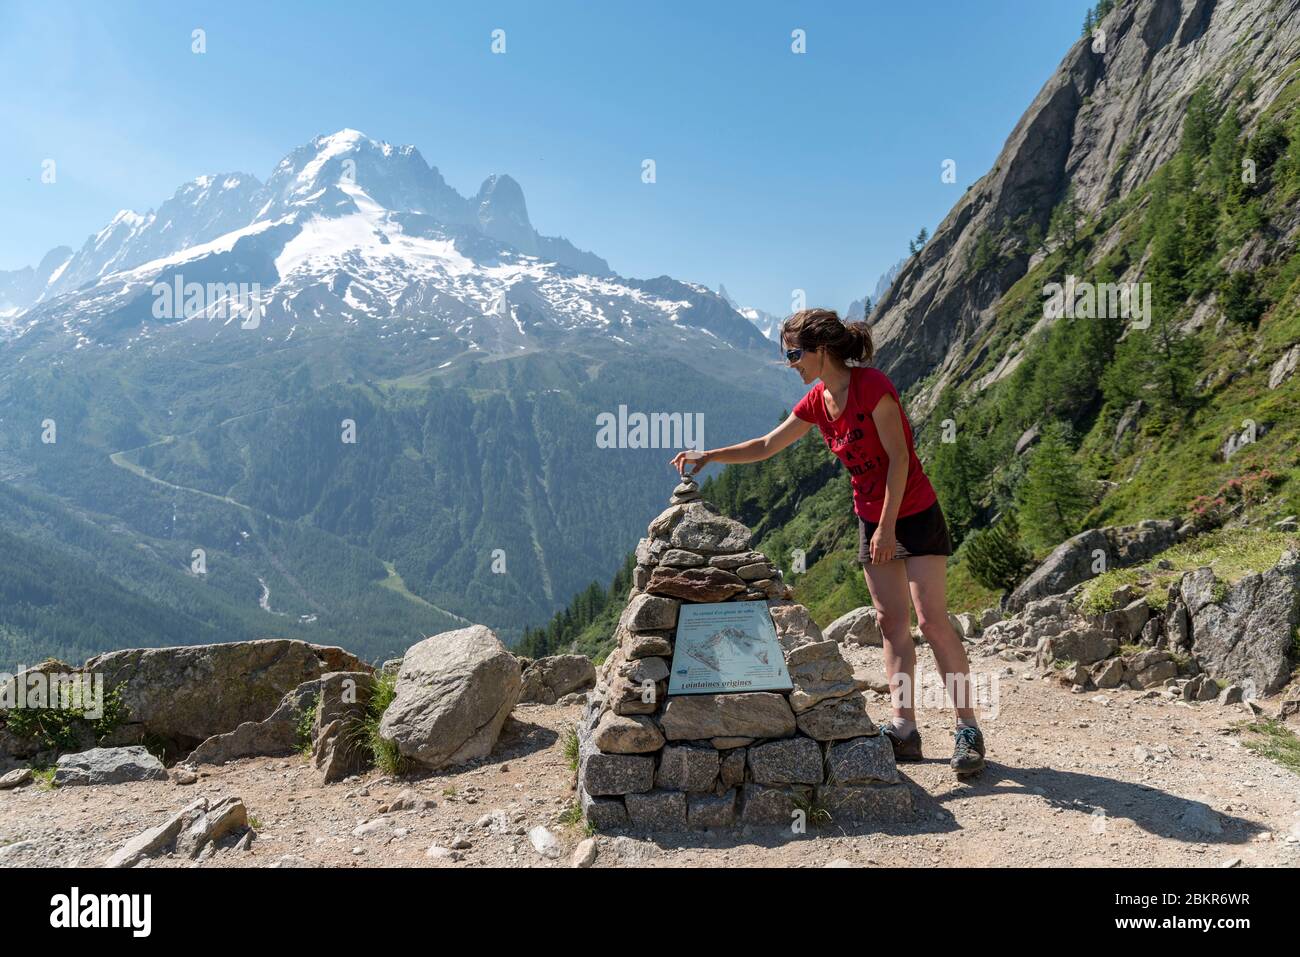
[657, 763]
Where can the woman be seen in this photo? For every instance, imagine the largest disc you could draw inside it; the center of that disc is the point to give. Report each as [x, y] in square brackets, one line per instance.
[903, 540]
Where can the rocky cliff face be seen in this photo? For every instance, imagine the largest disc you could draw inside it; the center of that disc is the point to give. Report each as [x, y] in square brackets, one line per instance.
[1106, 120]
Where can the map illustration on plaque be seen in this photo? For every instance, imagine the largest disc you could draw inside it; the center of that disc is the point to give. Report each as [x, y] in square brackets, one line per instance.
[727, 646]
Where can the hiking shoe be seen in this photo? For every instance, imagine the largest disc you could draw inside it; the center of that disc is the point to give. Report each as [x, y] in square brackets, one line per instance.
[905, 749]
[968, 750]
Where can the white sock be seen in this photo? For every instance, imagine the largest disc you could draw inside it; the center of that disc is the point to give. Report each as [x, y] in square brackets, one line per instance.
[903, 726]
[966, 723]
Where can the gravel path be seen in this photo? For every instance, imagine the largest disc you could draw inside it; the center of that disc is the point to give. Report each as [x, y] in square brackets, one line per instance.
[1098, 779]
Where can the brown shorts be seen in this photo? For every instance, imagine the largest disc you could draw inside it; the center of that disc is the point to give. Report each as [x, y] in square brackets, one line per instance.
[925, 533]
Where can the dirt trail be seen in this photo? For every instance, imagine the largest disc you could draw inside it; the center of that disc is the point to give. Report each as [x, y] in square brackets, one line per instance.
[1100, 779]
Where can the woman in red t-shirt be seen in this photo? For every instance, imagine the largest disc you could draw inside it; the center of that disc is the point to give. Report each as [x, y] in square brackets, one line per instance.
[903, 540]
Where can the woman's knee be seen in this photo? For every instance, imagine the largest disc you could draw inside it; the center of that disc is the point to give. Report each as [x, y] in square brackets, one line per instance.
[893, 624]
[937, 629]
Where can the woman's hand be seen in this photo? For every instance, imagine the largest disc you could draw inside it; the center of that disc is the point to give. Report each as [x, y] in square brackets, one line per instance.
[697, 458]
[883, 544]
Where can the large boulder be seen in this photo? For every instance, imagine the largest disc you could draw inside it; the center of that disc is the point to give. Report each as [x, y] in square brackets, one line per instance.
[183, 695]
[547, 680]
[1079, 558]
[857, 627]
[453, 694]
[1243, 633]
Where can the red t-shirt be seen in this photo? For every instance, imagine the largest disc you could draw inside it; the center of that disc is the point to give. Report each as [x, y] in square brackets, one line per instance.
[855, 442]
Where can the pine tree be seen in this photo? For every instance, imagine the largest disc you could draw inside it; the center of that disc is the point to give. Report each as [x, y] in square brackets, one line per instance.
[997, 557]
[1052, 497]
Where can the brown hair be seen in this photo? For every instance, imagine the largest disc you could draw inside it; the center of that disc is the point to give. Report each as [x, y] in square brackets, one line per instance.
[823, 328]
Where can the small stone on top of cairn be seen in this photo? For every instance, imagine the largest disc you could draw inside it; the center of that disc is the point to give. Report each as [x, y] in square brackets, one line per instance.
[654, 763]
[687, 490]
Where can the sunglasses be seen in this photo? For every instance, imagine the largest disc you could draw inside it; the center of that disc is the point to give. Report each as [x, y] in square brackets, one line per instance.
[793, 355]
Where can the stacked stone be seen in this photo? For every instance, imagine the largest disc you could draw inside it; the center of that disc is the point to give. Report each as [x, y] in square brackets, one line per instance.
[652, 762]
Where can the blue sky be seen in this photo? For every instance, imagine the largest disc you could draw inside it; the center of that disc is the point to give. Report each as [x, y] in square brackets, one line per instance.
[775, 170]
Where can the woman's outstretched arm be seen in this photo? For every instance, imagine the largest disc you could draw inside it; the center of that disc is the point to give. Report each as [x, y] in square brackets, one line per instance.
[754, 450]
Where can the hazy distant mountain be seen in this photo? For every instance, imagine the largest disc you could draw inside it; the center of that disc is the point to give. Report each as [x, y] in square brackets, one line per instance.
[765, 322]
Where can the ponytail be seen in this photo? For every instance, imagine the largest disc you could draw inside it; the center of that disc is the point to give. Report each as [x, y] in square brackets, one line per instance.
[849, 342]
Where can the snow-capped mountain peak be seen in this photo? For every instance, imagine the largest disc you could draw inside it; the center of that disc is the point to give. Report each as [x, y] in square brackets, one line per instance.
[355, 230]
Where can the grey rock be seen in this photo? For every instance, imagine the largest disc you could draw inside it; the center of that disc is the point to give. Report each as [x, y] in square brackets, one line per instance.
[731, 769]
[861, 761]
[1246, 639]
[453, 694]
[737, 560]
[640, 670]
[757, 714]
[1082, 643]
[818, 672]
[16, 778]
[604, 775]
[108, 766]
[701, 530]
[604, 813]
[584, 855]
[796, 760]
[646, 646]
[627, 734]
[1284, 367]
[762, 806]
[225, 817]
[650, 613]
[156, 839]
[663, 525]
[857, 627]
[794, 625]
[1072, 562]
[1108, 673]
[276, 734]
[339, 745]
[657, 810]
[837, 719]
[867, 803]
[711, 810]
[680, 558]
[687, 768]
[548, 679]
[185, 695]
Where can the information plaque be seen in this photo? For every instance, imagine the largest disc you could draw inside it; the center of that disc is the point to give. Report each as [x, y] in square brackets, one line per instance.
[727, 646]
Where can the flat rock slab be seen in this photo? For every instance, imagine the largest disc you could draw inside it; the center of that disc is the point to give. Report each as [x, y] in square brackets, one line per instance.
[695, 584]
[108, 766]
[756, 714]
[837, 719]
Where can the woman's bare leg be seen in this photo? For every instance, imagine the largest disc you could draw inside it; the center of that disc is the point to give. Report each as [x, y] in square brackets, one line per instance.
[888, 586]
[927, 577]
